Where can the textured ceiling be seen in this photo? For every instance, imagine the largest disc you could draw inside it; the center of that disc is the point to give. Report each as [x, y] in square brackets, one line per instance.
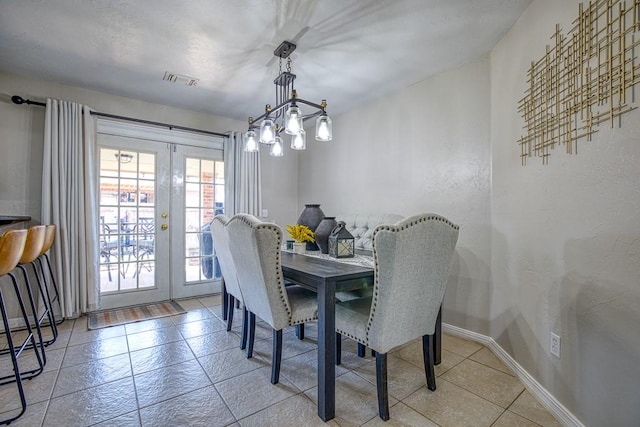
[349, 52]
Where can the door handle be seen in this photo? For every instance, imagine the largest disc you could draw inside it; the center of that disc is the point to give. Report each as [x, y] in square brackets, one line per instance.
[164, 226]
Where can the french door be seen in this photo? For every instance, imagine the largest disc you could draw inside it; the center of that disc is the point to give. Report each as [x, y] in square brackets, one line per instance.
[155, 200]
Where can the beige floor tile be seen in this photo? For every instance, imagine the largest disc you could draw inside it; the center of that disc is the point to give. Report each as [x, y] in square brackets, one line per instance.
[453, 406]
[153, 338]
[403, 378]
[91, 374]
[66, 325]
[252, 392]
[190, 304]
[302, 370]
[263, 330]
[230, 363]
[412, 353]
[81, 334]
[492, 385]
[148, 325]
[350, 359]
[291, 346]
[486, 357]
[295, 411]
[459, 346]
[211, 300]
[61, 341]
[528, 407]
[201, 327]
[193, 315]
[171, 381]
[33, 416]
[214, 343]
[95, 350]
[160, 357]
[36, 390]
[509, 419]
[28, 361]
[400, 415]
[131, 419]
[202, 407]
[356, 400]
[93, 405]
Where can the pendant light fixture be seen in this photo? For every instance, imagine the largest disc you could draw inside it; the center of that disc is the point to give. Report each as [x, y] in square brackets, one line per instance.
[286, 117]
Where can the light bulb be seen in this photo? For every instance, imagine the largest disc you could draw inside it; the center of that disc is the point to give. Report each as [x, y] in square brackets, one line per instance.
[324, 130]
[299, 141]
[293, 120]
[277, 148]
[250, 142]
[267, 133]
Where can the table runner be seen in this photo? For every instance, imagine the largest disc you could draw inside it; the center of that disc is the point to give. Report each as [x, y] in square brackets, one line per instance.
[359, 260]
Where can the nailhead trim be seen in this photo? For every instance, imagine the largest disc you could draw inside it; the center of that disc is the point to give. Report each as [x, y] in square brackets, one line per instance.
[395, 229]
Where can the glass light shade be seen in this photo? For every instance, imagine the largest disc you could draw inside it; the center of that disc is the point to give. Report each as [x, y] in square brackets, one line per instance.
[267, 132]
[277, 148]
[299, 140]
[250, 141]
[293, 120]
[324, 131]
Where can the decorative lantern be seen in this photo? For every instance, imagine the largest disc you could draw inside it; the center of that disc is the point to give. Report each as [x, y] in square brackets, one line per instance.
[341, 242]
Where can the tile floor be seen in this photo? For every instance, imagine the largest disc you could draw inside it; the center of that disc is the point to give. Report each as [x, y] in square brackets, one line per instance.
[188, 371]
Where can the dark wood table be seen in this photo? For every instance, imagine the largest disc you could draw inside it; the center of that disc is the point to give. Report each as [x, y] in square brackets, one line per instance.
[326, 277]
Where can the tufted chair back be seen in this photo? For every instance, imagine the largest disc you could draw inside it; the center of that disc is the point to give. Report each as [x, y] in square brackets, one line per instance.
[361, 226]
[220, 236]
[412, 264]
[255, 248]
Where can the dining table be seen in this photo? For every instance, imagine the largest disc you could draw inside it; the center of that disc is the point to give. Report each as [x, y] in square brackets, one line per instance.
[326, 276]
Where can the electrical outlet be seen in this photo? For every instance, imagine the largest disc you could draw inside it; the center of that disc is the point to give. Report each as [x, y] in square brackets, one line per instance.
[554, 345]
[265, 213]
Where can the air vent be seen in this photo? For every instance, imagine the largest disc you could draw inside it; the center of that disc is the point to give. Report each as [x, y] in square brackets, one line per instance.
[179, 78]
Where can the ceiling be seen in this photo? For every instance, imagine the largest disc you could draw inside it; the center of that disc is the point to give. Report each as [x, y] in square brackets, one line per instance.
[348, 52]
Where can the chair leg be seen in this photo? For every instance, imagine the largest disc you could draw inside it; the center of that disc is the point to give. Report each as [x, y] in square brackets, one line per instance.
[427, 355]
[362, 349]
[437, 339]
[373, 353]
[276, 356]
[338, 348]
[245, 326]
[230, 312]
[34, 312]
[300, 331]
[251, 335]
[381, 383]
[225, 300]
[14, 362]
[44, 291]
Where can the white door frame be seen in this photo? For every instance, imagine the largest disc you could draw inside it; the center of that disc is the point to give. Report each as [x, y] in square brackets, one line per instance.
[168, 136]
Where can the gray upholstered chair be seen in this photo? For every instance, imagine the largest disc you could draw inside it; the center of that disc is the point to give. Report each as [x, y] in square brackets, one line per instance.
[220, 236]
[412, 264]
[255, 248]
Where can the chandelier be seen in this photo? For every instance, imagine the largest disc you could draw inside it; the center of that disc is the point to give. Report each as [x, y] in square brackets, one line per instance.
[286, 116]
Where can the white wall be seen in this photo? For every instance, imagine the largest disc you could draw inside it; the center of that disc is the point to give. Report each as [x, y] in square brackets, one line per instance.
[21, 143]
[424, 149]
[566, 242]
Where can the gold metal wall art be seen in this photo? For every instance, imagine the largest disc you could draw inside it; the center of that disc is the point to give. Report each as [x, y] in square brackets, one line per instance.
[585, 78]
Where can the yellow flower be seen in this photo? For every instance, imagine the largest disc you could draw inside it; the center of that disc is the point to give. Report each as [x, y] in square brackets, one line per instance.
[301, 233]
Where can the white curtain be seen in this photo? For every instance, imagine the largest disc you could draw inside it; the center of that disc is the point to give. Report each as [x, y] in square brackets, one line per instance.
[243, 185]
[69, 202]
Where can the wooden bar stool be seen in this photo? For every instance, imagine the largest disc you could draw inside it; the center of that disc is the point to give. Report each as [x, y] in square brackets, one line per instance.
[12, 245]
[32, 248]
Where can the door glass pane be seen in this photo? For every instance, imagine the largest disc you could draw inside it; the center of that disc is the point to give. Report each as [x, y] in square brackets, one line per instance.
[201, 204]
[127, 220]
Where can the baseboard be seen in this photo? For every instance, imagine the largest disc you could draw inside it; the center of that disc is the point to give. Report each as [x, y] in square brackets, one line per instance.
[542, 394]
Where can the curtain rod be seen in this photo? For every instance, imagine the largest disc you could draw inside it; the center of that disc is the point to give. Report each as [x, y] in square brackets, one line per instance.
[19, 100]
